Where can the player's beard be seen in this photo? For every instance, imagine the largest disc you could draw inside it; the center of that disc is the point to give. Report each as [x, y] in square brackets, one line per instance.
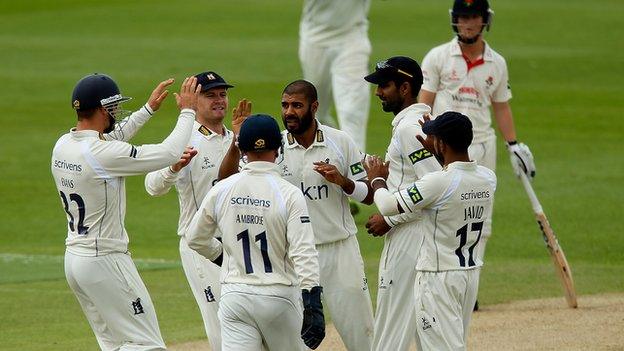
[111, 124]
[304, 122]
[395, 106]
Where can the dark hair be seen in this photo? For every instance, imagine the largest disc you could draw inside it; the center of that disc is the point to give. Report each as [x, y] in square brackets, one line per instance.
[86, 114]
[304, 87]
[400, 79]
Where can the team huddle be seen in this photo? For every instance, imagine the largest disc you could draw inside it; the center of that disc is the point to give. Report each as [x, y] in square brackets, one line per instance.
[267, 236]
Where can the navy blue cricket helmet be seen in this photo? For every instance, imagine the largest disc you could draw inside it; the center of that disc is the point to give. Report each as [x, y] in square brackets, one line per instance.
[259, 132]
[96, 90]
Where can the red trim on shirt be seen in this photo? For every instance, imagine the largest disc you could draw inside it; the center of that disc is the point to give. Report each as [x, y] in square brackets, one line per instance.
[472, 65]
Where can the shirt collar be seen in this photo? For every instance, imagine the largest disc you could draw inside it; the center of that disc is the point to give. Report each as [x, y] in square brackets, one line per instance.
[463, 166]
[261, 167]
[411, 110]
[207, 132]
[456, 50]
[319, 139]
[85, 133]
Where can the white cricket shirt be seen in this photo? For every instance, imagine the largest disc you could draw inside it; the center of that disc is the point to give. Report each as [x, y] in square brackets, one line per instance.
[266, 230]
[328, 204]
[407, 157]
[455, 203]
[89, 173]
[466, 88]
[193, 182]
[328, 22]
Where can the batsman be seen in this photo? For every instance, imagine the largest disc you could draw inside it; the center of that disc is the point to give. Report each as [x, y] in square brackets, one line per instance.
[466, 75]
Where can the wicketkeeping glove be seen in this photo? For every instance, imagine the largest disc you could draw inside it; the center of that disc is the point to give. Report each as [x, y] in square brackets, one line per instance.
[313, 330]
[521, 159]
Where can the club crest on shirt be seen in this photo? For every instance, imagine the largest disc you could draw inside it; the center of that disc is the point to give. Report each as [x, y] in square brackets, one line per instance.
[414, 194]
[489, 81]
[356, 168]
[209, 295]
[419, 155]
[207, 164]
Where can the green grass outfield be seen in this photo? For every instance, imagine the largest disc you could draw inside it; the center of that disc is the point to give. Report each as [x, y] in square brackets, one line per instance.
[565, 59]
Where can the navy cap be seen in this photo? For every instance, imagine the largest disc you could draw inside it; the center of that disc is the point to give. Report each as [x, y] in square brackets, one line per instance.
[210, 80]
[401, 67]
[453, 128]
[470, 7]
[259, 133]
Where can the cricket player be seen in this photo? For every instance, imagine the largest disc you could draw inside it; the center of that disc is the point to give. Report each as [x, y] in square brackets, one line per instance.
[398, 81]
[193, 176]
[455, 203]
[466, 75]
[268, 255]
[325, 165]
[89, 166]
[333, 50]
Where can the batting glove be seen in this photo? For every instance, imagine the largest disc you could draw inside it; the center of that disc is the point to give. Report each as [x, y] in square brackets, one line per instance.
[521, 159]
[313, 330]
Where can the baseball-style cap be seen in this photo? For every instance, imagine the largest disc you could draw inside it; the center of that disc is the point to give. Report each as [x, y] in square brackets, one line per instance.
[210, 79]
[395, 67]
[453, 128]
[259, 133]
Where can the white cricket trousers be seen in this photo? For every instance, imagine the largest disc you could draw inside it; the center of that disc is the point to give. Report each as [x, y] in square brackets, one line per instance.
[261, 317]
[345, 292]
[339, 70]
[394, 316]
[485, 155]
[203, 278]
[444, 303]
[115, 301]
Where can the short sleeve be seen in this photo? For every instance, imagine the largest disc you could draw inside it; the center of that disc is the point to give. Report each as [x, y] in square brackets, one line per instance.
[431, 72]
[502, 93]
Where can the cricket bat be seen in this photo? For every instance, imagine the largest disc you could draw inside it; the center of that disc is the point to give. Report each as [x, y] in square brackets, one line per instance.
[556, 253]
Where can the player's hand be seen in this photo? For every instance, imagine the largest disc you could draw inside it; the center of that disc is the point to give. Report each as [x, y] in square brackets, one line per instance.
[159, 94]
[330, 173]
[377, 225]
[313, 329]
[427, 143]
[189, 93]
[186, 158]
[375, 167]
[240, 114]
[425, 118]
[521, 160]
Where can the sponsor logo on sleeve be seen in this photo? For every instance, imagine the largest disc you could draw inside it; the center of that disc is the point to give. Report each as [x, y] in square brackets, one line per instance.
[419, 155]
[414, 194]
[305, 219]
[357, 168]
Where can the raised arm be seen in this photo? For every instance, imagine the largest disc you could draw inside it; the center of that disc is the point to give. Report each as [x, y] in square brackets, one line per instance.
[127, 128]
[231, 160]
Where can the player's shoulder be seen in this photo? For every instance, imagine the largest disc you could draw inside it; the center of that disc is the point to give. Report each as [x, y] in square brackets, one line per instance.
[440, 50]
[495, 56]
[488, 175]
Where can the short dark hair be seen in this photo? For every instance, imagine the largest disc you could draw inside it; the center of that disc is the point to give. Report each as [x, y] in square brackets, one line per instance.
[400, 79]
[304, 87]
[86, 114]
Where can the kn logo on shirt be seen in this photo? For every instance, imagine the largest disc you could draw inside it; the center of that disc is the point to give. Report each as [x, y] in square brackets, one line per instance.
[315, 192]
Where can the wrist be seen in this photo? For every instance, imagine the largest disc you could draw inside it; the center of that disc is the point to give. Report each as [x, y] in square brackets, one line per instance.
[378, 180]
[172, 169]
[512, 142]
